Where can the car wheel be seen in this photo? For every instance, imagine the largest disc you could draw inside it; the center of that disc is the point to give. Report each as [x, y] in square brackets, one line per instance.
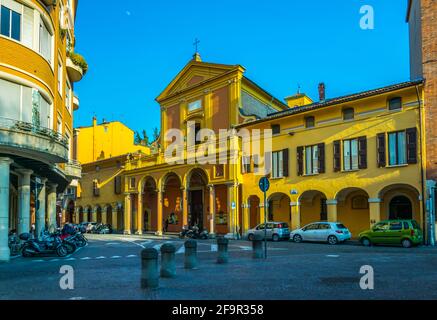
[297, 238]
[275, 238]
[366, 242]
[406, 243]
[250, 237]
[332, 240]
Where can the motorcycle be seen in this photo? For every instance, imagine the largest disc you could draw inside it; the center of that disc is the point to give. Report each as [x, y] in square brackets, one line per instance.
[48, 244]
[13, 242]
[194, 233]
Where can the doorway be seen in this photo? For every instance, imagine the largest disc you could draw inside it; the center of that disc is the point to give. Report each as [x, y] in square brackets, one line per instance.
[401, 208]
[196, 208]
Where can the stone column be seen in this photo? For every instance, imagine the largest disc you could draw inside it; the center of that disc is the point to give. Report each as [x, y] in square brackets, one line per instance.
[159, 215]
[374, 211]
[51, 205]
[127, 213]
[332, 210]
[231, 213]
[139, 216]
[295, 215]
[114, 221]
[94, 215]
[104, 215]
[40, 223]
[212, 209]
[184, 207]
[5, 164]
[24, 201]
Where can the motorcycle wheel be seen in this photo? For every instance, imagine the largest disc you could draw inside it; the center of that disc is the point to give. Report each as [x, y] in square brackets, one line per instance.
[25, 253]
[71, 247]
[61, 251]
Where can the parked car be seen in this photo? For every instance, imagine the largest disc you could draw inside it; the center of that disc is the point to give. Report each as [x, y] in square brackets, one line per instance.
[331, 232]
[393, 232]
[275, 231]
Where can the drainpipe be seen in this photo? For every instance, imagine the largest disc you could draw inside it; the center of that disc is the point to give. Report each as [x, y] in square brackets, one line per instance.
[430, 236]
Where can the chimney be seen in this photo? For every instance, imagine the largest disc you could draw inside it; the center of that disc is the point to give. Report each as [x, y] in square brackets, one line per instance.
[94, 121]
[322, 95]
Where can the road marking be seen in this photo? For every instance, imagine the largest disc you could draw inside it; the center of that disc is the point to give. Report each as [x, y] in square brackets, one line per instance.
[54, 260]
[77, 298]
[133, 242]
[245, 248]
[112, 243]
[214, 248]
[70, 259]
[158, 246]
[100, 258]
[132, 256]
[115, 257]
[85, 258]
[332, 256]
[181, 250]
[38, 260]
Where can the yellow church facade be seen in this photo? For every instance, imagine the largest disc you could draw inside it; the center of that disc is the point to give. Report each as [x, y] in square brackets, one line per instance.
[357, 159]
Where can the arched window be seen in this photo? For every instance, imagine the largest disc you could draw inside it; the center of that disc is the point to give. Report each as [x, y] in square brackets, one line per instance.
[348, 114]
[400, 208]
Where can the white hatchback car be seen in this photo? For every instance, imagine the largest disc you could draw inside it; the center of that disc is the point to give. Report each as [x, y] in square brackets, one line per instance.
[331, 232]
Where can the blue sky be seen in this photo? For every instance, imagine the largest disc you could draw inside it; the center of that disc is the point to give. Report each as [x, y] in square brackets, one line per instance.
[134, 48]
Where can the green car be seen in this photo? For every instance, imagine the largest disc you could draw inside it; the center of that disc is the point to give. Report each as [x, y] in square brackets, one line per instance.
[393, 232]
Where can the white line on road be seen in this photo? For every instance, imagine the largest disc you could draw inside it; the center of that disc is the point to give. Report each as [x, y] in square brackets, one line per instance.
[332, 256]
[100, 258]
[132, 256]
[85, 258]
[181, 250]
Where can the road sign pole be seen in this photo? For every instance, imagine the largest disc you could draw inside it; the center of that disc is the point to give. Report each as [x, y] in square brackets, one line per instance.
[265, 225]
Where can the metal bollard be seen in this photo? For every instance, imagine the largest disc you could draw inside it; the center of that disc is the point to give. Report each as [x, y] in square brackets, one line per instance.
[149, 268]
[168, 261]
[257, 246]
[223, 256]
[190, 254]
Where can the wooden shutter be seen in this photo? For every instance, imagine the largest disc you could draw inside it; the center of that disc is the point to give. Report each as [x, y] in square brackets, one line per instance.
[381, 142]
[299, 161]
[362, 153]
[268, 164]
[285, 162]
[321, 149]
[411, 135]
[337, 156]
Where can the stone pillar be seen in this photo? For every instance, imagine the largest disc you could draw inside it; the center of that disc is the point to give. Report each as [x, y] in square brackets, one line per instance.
[332, 210]
[184, 207]
[5, 164]
[139, 216]
[51, 205]
[94, 215]
[105, 216]
[24, 201]
[159, 215]
[374, 211]
[212, 210]
[114, 221]
[127, 213]
[295, 215]
[231, 212]
[40, 223]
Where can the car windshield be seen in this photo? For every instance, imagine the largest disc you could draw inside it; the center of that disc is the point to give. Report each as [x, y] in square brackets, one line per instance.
[341, 226]
[283, 225]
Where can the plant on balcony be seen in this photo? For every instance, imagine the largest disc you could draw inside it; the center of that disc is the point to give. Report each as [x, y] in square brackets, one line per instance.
[78, 60]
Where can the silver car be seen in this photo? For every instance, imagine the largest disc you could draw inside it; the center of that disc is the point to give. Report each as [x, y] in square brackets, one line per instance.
[331, 232]
[275, 231]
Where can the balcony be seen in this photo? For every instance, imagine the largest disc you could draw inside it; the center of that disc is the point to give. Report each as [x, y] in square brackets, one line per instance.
[75, 103]
[76, 66]
[31, 141]
[73, 169]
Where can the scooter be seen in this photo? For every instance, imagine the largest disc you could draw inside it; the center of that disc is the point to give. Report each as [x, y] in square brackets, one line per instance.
[14, 243]
[194, 233]
[48, 245]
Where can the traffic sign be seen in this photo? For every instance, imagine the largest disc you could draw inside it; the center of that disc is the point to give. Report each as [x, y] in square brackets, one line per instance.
[264, 184]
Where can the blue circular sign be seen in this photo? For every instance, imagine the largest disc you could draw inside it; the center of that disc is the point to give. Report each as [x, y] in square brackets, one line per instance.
[264, 184]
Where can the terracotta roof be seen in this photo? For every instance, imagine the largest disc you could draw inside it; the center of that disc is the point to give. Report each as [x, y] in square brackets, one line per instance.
[338, 100]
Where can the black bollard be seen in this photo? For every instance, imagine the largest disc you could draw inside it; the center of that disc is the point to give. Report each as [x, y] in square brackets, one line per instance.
[168, 261]
[190, 254]
[257, 246]
[149, 268]
[223, 256]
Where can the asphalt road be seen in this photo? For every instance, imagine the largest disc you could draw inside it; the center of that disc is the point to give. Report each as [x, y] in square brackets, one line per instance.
[109, 268]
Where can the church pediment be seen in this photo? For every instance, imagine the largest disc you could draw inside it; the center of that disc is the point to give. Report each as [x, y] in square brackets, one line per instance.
[194, 73]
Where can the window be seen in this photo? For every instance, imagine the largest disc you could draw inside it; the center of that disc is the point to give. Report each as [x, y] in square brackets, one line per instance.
[397, 148]
[324, 226]
[45, 42]
[276, 129]
[278, 164]
[350, 155]
[382, 226]
[195, 105]
[67, 136]
[197, 129]
[311, 160]
[60, 78]
[68, 96]
[96, 189]
[395, 104]
[117, 185]
[310, 122]
[132, 183]
[395, 226]
[246, 164]
[10, 22]
[348, 114]
[28, 19]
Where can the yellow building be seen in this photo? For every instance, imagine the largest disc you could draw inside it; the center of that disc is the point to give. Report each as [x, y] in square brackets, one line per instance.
[38, 69]
[105, 140]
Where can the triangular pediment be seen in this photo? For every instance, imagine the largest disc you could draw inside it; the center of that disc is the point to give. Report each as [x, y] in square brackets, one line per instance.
[194, 73]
